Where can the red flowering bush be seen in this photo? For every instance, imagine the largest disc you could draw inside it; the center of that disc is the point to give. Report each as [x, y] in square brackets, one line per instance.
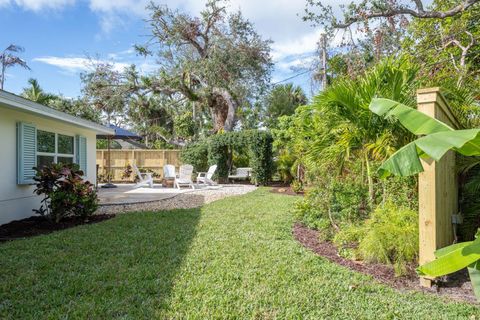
[65, 192]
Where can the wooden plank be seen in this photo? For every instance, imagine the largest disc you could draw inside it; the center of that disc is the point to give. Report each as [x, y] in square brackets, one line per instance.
[153, 160]
[438, 186]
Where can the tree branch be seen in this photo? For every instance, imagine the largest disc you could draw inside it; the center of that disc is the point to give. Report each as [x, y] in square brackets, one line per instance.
[419, 12]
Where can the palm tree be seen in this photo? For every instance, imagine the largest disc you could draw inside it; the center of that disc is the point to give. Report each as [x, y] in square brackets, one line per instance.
[350, 131]
[8, 59]
[35, 93]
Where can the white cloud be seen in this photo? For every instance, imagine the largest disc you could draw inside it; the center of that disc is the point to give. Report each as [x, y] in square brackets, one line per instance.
[38, 5]
[76, 64]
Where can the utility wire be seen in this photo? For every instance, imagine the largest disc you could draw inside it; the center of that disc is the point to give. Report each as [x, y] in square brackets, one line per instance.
[292, 77]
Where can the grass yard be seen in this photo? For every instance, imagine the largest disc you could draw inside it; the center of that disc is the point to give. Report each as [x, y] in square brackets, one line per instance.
[232, 259]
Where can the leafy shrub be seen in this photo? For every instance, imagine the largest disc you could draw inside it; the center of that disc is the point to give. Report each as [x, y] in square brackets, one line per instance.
[196, 154]
[349, 200]
[333, 203]
[284, 165]
[401, 191]
[259, 144]
[297, 186]
[65, 192]
[390, 236]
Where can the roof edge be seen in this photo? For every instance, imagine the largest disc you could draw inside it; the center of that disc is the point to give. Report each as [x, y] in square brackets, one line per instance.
[19, 103]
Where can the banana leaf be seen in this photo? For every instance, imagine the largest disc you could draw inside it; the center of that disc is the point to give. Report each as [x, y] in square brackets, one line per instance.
[451, 260]
[439, 138]
[474, 273]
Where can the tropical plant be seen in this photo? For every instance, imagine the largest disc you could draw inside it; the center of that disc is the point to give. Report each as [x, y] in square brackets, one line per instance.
[437, 140]
[35, 93]
[65, 192]
[282, 100]
[8, 59]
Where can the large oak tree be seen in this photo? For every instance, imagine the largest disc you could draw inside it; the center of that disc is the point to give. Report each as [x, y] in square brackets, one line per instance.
[216, 60]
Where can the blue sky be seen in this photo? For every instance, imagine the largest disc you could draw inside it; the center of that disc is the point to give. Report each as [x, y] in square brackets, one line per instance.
[58, 35]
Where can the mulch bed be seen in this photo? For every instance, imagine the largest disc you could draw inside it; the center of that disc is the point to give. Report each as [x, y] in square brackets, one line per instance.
[35, 226]
[454, 287]
[283, 188]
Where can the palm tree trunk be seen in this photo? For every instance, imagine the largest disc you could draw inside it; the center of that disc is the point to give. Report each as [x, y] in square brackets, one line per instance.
[371, 192]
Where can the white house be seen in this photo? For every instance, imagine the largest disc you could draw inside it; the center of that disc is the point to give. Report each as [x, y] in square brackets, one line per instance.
[32, 134]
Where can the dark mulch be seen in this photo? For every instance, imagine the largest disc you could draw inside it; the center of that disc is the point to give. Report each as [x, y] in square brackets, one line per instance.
[37, 225]
[456, 287]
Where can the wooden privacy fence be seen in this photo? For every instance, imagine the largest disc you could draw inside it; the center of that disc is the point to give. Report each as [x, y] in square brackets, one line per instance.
[437, 185]
[146, 160]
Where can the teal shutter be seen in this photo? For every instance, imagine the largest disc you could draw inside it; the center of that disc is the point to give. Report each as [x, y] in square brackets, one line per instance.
[26, 152]
[82, 153]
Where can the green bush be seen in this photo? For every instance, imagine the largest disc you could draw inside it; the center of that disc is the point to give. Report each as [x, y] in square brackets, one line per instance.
[196, 154]
[390, 236]
[65, 193]
[332, 203]
[259, 144]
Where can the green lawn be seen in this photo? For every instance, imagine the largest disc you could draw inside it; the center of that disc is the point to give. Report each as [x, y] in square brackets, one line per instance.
[233, 259]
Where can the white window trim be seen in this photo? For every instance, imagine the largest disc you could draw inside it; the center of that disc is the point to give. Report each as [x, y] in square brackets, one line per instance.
[55, 155]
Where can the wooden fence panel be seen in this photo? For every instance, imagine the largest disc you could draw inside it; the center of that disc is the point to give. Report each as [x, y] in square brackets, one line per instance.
[150, 160]
[438, 185]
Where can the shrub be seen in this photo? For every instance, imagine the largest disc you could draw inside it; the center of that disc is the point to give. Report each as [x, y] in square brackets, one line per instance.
[196, 154]
[332, 203]
[65, 192]
[390, 236]
[297, 186]
[259, 144]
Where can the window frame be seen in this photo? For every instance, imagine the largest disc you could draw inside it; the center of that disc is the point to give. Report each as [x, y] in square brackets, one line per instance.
[56, 155]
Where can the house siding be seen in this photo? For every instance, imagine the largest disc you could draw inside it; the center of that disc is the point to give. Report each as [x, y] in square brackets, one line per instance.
[17, 201]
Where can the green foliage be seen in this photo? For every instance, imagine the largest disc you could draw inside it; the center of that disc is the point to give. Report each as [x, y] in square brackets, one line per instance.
[184, 126]
[259, 144]
[282, 100]
[389, 236]
[331, 204]
[196, 154]
[65, 193]
[437, 140]
[297, 186]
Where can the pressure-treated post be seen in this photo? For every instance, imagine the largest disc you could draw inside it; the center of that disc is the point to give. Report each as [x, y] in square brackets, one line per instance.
[437, 185]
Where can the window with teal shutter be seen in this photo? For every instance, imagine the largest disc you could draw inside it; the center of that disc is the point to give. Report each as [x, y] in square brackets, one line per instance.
[82, 153]
[26, 152]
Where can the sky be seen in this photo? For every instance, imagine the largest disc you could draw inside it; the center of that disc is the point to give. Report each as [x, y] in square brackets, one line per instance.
[59, 35]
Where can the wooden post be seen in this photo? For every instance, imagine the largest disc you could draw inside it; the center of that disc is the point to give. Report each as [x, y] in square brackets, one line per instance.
[437, 186]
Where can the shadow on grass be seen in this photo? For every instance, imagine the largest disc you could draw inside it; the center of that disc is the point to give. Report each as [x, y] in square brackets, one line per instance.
[124, 267]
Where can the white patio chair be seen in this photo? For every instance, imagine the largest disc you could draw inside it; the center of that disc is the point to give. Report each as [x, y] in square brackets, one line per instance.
[143, 178]
[169, 171]
[240, 174]
[206, 177]
[184, 176]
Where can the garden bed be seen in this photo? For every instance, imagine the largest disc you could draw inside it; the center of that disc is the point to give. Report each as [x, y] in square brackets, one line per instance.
[35, 226]
[456, 286]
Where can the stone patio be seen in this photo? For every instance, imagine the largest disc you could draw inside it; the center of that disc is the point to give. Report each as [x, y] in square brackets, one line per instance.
[127, 198]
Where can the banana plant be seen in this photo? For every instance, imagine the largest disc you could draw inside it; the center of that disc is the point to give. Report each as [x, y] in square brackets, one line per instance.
[437, 138]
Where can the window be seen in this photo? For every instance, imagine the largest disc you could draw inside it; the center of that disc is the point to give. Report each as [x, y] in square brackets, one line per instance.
[54, 148]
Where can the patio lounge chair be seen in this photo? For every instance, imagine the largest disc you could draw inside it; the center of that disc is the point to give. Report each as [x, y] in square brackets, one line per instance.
[206, 177]
[240, 174]
[184, 176]
[143, 178]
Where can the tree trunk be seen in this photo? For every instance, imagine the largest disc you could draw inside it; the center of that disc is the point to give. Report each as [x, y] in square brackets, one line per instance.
[222, 107]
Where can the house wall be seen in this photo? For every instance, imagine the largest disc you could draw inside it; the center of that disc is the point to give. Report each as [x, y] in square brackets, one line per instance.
[17, 201]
